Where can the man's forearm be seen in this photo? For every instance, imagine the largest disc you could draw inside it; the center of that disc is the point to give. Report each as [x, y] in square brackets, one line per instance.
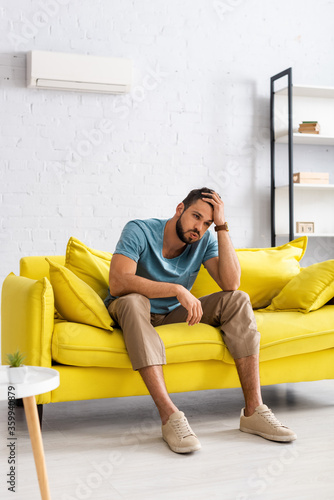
[227, 271]
[125, 283]
[129, 283]
[228, 263]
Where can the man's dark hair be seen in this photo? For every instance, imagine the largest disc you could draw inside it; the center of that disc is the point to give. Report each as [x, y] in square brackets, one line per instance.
[194, 195]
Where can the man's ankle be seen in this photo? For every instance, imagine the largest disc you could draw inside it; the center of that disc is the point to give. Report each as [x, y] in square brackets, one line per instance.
[250, 409]
[165, 414]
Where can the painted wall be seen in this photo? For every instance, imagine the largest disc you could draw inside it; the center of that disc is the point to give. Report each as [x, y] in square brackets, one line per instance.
[80, 164]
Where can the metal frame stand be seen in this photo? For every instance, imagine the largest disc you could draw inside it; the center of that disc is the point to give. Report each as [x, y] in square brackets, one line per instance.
[288, 73]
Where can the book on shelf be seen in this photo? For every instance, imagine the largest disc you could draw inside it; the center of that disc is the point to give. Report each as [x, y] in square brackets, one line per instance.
[311, 177]
[309, 128]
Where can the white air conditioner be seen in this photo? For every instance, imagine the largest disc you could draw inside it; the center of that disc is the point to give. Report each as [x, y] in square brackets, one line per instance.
[56, 70]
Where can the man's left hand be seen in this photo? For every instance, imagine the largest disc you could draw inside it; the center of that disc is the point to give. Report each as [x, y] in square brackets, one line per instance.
[218, 207]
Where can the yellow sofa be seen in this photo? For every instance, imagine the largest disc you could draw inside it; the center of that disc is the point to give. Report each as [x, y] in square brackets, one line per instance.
[54, 313]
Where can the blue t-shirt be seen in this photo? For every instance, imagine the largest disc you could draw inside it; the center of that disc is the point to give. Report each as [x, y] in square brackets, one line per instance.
[142, 241]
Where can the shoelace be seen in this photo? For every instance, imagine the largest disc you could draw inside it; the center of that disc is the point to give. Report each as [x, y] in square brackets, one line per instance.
[270, 417]
[182, 428]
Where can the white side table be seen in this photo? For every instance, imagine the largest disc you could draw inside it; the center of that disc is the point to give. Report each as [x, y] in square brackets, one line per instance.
[38, 381]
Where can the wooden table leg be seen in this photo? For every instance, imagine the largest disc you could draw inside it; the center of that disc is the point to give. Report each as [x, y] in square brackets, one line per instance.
[31, 412]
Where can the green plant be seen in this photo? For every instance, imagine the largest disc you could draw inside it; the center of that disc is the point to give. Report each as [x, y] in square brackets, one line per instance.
[15, 359]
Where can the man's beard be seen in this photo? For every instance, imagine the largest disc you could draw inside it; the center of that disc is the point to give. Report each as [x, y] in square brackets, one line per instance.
[181, 233]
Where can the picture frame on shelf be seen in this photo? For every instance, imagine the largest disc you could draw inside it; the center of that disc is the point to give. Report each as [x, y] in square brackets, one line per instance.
[304, 227]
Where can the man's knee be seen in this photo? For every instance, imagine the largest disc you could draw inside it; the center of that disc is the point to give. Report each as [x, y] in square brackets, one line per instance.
[134, 302]
[241, 297]
[235, 308]
[239, 328]
[234, 298]
[129, 309]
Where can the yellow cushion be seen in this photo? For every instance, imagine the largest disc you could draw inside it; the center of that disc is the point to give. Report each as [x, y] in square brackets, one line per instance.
[264, 271]
[75, 300]
[81, 345]
[92, 266]
[204, 284]
[291, 333]
[308, 291]
[75, 344]
[36, 267]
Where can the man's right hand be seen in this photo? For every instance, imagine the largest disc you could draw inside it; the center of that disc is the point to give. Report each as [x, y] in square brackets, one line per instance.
[193, 305]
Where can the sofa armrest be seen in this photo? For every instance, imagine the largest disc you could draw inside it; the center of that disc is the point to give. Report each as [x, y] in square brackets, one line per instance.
[27, 319]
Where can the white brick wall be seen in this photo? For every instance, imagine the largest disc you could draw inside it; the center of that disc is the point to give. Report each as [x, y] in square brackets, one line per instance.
[83, 164]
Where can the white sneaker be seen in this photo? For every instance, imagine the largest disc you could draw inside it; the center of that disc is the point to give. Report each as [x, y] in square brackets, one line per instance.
[178, 434]
[264, 423]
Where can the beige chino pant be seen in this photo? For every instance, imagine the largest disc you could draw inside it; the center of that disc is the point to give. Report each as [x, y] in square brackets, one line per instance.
[232, 311]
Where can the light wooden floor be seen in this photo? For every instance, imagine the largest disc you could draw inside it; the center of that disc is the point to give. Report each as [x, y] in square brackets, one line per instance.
[112, 449]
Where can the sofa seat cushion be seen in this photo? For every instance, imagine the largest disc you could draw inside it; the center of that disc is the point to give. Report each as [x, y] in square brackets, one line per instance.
[83, 345]
[290, 333]
[282, 334]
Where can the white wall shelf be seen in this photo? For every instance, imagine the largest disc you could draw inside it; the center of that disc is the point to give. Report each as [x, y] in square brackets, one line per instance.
[315, 139]
[303, 187]
[309, 103]
[309, 235]
[308, 91]
[294, 202]
[312, 203]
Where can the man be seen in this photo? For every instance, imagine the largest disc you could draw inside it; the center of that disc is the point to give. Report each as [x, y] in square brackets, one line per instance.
[151, 273]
